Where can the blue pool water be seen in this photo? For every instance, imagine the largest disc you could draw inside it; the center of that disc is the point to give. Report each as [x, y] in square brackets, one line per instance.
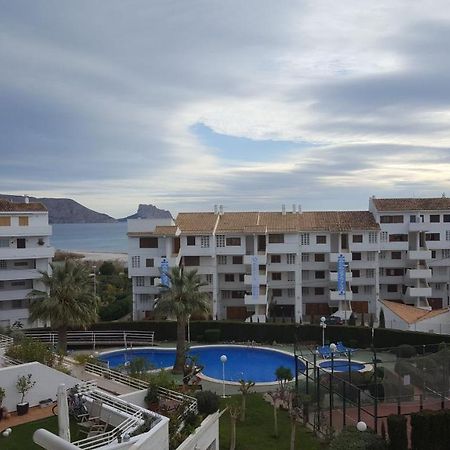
[341, 365]
[248, 363]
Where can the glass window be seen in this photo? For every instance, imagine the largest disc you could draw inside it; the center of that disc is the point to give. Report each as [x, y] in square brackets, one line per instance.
[190, 240]
[290, 258]
[435, 218]
[356, 256]
[357, 238]
[304, 238]
[276, 276]
[148, 242]
[319, 257]
[305, 257]
[191, 260]
[373, 237]
[5, 221]
[275, 259]
[229, 277]
[21, 243]
[204, 241]
[23, 221]
[220, 240]
[233, 241]
[432, 236]
[396, 255]
[320, 274]
[149, 262]
[4, 243]
[446, 217]
[319, 291]
[140, 281]
[136, 262]
[222, 259]
[321, 239]
[238, 259]
[276, 238]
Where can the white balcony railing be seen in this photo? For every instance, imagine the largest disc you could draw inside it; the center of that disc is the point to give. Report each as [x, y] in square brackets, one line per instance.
[248, 279]
[415, 255]
[262, 259]
[335, 296]
[334, 257]
[260, 300]
[19, 274]
[418, 292]
[24, 253]
[334, 276]
[415, 274]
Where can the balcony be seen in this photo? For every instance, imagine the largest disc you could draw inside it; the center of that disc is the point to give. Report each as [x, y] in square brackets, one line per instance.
[19, 274]
[262, 259]
[334, 276]
[334, 296]
[24, 253]
[418, 292]
[415, 255]
[415, 274]
[14, 294]
[262, 279]
[419, 226]
[260, 300]
[334, 257]
[45, 230]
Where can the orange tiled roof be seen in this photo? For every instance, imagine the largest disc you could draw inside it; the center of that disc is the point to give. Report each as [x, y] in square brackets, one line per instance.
[411, 314]
[200, 222]
[166, 230]
[412, 204]
[7, 206]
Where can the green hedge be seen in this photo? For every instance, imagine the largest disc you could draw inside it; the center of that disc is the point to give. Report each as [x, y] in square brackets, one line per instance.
[281, 333]
[398, 437]
[430, 430]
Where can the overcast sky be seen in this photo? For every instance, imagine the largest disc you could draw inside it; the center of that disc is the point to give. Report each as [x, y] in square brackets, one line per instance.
[251, 104]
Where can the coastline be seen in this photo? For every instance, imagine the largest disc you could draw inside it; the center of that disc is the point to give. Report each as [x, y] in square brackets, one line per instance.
[99, 256]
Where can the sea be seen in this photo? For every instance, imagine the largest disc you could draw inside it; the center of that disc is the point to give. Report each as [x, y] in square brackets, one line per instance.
[91, 237]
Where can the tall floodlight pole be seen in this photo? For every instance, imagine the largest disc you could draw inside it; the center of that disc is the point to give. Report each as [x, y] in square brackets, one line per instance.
[223, 360]
[323, 325]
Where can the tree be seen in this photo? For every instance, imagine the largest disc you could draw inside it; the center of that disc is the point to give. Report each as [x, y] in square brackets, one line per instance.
[295, 415]
[234, 414]
[181, 298]
[284, 376]
[275, 397]
[68, 300]
[382, 323]
[244, 387]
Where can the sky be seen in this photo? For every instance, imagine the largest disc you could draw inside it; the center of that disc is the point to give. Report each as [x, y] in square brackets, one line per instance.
[250, 104]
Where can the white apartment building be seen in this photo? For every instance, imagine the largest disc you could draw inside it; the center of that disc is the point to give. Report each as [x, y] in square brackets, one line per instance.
[260, 263]
[24, 251]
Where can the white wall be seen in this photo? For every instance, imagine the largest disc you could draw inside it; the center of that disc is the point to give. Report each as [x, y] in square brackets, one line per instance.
[137, 398]
[47, 382]
[204, 435]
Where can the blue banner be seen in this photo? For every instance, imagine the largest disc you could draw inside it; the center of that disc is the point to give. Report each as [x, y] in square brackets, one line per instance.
[255, 277]
[164, 269]
[341, 276]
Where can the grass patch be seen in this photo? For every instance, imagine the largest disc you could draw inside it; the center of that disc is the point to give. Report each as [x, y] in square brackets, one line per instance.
[21, 437]
[256, 433]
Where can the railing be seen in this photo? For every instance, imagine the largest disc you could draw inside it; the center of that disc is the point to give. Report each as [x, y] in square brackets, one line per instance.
[179, 397]
[5, 341]
[10, 361]
[94, 338]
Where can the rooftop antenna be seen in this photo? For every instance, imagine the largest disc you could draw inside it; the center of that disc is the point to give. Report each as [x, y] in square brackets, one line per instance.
[216, 209]
[220, 209]
[283, 209]
[294, 208]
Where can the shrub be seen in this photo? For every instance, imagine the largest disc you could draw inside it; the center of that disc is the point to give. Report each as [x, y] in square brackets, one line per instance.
[162, 378]
[398, 437]
[115, 310]
[212, 335]
[430, 430]
[382, 322]
[208, 402]
[29, 350]
[351, 438]
[406, 351]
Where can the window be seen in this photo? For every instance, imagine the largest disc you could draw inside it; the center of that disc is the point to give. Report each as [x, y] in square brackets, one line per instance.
[319, 291]
[275, 259]
[373, 237]
[21, 243]
[23, 221]
[291, 276]
[3, 264]
[370, 273]
[438, 286]
[356, 273]
[4, 243]
[432, 236]
[413, 219]
[367, 290]
[241, 277]
[190, 240]
[304, 238]
[305, 257]
[319, 257]
[384, 236]
[18, 283]
[136, 262]
[446, 253]
[276, 276]
[204, 241]
[5, 221]
[391, 219]
[229, 277]
[148, 242]
[277, 292]
[356, 256]
[233, 241]
[2, 285]
[237, 294]
[320, 274]
[149, 262]
[238, 259]
[392, 288]
[447, 235]
[140, 281]
[396, 255]
[290, 258]
[370, 256]
[398, 238]
[209, 278]
[383, 255]
[321, 239]
[21, 264]
[291, 292]
[357, 238]
[226, 295]
[446, 217]
[221, 260]
[433, 254]
[435, 218]
[394, 272]
[220, 240]
[191, 260]
[305, 290]
[276, 238]
[355, 289]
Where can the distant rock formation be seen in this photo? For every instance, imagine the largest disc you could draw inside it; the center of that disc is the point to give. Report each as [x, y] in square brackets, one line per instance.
[148, 212]
[65, 210]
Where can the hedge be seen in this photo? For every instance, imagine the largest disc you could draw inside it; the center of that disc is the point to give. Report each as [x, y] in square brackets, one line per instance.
[281, 333]
[398, 437]
[430, 430]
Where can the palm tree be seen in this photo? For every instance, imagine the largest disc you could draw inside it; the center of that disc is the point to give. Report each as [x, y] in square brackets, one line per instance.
[68, 300]
[181, 298]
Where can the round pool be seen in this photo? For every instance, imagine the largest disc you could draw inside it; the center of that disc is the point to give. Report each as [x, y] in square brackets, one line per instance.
[342, 365]
[248, 363]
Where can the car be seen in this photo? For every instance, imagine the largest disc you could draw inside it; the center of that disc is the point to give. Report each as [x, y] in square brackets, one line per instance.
[334, 320]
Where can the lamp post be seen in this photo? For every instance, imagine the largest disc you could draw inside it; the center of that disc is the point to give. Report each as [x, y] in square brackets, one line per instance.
[223, 360]
[333, 348]
[95, 280]
[361, 426]
[323, 326]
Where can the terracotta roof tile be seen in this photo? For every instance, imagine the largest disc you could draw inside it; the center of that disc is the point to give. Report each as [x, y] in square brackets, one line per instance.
[7, 206]
[411, 314]
[166, 230]
[412, 204]
[200, 222]
[236, 221]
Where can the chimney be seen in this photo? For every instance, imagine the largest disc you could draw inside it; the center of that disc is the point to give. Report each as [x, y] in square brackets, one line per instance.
[221, 210]
[283, 209]
[299, 208]
[26, 199]
[294, 208]
[216, 211]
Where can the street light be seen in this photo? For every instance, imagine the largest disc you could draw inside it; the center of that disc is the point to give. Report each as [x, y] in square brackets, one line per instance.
[333, 348]
[95, 280]
[323, 326]
[361, 426]
[223, 360]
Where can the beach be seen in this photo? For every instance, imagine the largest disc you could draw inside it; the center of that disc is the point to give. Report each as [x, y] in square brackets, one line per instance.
[104, 256]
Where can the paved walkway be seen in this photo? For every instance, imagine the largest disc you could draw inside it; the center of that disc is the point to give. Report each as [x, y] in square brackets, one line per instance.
[35, 413]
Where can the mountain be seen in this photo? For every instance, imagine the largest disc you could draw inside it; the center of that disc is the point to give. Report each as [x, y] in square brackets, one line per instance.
[65, 210]
[148, 212]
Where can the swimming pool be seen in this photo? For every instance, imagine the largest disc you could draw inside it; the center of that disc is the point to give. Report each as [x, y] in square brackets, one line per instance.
[342, 365]
[248, 363]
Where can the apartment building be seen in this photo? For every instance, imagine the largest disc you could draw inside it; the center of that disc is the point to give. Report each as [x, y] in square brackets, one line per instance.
[261, 263]
[24, 251]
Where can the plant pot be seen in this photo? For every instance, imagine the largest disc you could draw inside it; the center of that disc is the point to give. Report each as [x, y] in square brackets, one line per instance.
[22, 408]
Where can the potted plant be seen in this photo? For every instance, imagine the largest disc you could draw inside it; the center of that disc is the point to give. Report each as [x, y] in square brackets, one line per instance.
[23, 385]
[2, 396]
[152, 398]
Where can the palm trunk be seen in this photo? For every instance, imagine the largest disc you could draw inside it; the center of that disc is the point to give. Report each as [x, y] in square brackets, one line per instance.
[181, 347]
[62, 340]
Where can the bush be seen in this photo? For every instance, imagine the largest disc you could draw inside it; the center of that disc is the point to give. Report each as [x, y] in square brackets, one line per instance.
[398, 437]
[394, 390]
[212, 335]
[406, 351]
[351, 438]
[29, 350]
[430, 430]
[115, 310]
[208, 402]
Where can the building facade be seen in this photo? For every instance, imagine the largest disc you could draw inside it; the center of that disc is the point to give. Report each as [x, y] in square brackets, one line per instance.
[25, 250]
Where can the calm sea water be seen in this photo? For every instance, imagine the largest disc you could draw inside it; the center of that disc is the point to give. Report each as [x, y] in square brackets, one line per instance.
[90, 237]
